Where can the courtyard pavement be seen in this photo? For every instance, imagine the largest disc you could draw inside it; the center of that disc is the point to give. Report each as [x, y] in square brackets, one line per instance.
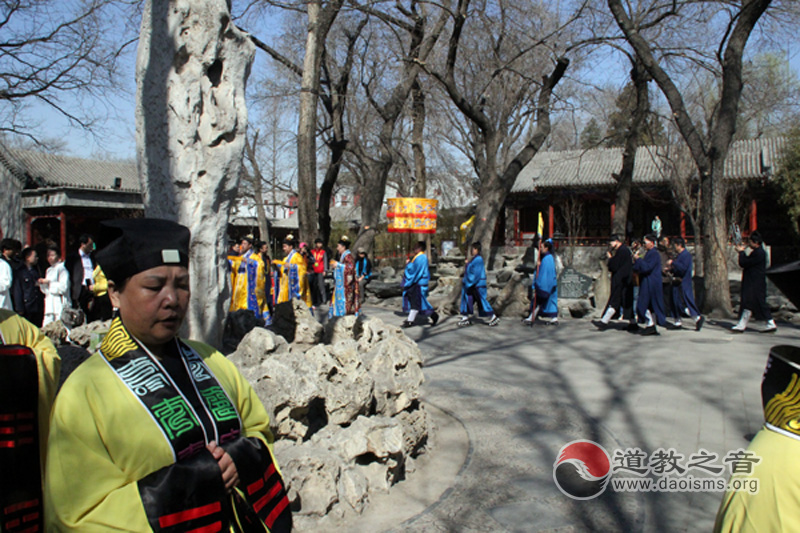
[516, 395]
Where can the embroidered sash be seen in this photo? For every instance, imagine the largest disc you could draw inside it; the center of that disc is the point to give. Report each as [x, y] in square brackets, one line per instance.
[20, 471]
[338, 298]
[780, 391]
[166, 403]
[189, 494]
[294, 276]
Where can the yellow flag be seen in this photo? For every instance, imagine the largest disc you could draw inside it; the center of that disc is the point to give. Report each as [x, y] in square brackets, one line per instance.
[540, 228]
[465, 228]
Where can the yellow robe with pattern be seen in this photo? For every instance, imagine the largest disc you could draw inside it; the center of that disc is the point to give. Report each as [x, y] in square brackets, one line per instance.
[242, 289]
[16, 330]
[103, 441]
[776, 506]
[302, 271]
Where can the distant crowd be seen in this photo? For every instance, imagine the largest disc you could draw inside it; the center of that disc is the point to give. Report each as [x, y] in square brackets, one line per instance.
[259, 283]
[76, 284]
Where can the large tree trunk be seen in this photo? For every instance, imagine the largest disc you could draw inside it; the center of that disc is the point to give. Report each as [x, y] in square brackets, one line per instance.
[191, 121]
[257, 180]
[495, 187]
[378, 173]
[319, 23]
[708, 154]
[372, 195]
[307, 127]
[418, 140]
[326, 189]
[625, 179]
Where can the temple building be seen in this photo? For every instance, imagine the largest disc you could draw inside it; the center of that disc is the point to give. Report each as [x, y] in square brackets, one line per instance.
[575, 192]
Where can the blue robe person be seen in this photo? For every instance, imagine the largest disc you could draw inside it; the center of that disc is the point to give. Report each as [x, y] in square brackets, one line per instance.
[682, 267]
[415, 285]
[651, 290]
[473, 288]
[545, 287]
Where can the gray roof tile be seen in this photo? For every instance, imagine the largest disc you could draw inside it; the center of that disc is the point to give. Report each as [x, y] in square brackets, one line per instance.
[49, 170]
[749, 159]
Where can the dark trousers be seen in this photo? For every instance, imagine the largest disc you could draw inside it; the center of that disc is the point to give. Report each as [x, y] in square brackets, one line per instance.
[319, 295]
[668, 306]
[362, 290]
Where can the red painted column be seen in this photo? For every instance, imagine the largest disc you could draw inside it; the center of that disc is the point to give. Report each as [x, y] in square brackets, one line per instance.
[683, 224]
[550, 211]
[63, 219]
[753, 216]
[28, 230]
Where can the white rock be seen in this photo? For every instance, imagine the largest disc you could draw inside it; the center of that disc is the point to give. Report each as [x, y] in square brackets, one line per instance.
[191, 121]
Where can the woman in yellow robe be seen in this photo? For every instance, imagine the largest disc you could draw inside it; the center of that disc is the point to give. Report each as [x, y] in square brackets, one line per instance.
[153, 432]
[293, 281]
[764, 491]
[249, 281]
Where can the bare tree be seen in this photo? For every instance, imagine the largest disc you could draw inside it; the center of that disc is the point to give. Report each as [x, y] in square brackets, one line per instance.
[256, 180]
[639, 77]
[573, 215]
[709, 152]
[498, 108]
[333, 94]
[51, 50]
[376, 160]
[320, 20]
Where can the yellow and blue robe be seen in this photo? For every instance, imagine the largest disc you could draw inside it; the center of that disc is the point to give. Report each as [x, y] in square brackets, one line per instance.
[545, 287]
[344, 300]
[29, 374]
[292, 280]
[128, 444]
[473, 288]
[415, 285]
[248, 285]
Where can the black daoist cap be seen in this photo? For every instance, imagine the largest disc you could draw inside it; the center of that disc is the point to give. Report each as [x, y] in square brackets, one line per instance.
[142, 244]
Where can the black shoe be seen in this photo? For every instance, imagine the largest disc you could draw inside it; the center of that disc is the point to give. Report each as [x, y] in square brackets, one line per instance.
[434, 318]
[599, 324]
[406, 324]
[633, 328]
[650, 331]
[674, 326]
[699, 324]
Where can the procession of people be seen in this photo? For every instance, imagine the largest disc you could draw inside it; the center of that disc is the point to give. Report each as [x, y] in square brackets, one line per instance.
[143, 273]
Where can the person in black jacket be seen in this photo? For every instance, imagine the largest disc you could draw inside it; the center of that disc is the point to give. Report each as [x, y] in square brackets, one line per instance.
[620, 264]
[754, 285]
[80, 266]
[28, 299]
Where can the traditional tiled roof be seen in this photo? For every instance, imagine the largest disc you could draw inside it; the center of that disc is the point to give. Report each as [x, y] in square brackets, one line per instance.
[751, 159]
[39, 169]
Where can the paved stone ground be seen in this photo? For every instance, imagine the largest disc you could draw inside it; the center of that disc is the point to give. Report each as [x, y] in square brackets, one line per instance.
[522, 393]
